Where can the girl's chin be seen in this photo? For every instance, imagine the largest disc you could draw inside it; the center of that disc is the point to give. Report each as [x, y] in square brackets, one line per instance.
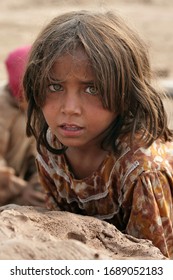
[71, 144]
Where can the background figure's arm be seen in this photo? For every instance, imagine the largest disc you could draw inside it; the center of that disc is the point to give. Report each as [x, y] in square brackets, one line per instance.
[11, 186]
[4, 140]
[33, 194]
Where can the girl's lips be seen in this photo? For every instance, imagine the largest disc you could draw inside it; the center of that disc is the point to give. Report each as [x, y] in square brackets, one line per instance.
[70, 130]
[70, 127]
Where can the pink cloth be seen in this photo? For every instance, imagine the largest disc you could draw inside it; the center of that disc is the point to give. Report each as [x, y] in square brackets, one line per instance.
[15, 65]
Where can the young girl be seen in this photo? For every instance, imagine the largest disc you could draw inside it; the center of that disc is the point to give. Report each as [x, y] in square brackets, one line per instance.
[104, 148]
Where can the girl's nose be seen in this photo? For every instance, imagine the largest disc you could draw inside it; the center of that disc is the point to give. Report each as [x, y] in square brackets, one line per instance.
[71, 104]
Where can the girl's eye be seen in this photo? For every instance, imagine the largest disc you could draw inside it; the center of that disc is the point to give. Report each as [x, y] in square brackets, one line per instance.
[55, 87]
[92, 90]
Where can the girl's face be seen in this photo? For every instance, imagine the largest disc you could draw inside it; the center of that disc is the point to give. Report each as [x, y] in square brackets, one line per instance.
[73, 109]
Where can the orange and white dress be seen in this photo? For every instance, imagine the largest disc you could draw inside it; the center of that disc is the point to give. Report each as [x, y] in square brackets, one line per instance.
[134, 191]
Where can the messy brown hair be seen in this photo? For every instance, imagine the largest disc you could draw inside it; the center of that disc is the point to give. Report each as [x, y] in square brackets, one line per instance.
[121, 66]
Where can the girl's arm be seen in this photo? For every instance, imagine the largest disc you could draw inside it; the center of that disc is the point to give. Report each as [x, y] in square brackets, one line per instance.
[152, 211]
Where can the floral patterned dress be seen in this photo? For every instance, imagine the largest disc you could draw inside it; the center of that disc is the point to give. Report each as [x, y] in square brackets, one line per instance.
[134, 191]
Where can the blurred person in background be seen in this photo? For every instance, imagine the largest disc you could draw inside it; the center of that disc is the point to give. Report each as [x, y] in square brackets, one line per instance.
[19, 182]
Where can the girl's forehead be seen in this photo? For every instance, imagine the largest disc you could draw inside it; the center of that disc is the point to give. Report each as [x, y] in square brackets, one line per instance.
[76, 56]
[76, 63]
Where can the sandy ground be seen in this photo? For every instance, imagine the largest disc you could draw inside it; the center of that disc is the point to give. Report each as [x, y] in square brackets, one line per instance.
[21, 20]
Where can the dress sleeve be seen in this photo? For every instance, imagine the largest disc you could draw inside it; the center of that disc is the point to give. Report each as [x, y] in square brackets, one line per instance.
[151, 214]
[49, 186]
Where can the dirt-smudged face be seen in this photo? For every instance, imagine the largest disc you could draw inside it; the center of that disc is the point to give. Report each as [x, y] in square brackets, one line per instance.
[73, 109]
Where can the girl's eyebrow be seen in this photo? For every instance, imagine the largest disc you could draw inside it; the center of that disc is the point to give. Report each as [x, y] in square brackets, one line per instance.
[55, 81]
[51, 79]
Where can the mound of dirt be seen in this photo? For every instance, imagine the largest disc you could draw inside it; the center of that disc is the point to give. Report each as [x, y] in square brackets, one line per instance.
[35, 233]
